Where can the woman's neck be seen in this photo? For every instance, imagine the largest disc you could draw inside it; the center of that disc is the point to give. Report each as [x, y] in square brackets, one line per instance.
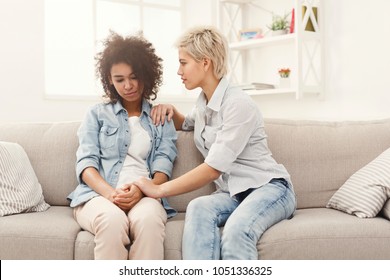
[209, 86]
[133, 108]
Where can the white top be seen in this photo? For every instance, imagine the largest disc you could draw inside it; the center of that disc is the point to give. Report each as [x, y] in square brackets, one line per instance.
[135, 164]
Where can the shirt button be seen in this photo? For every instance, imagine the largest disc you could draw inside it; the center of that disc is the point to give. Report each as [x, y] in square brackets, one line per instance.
[125, 145]
[127, 131]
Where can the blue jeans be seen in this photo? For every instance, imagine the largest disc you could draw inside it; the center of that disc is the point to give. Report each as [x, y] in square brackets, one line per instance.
[245, 217]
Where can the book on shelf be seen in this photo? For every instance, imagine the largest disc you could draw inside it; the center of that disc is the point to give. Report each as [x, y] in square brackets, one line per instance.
[292, 22]
[256, 86]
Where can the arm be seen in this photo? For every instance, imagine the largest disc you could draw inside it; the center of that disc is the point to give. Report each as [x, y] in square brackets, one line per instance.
[128, 196]
[88, 155]
[165, 151]
[95, 181]
[159, 178]
[159, 112]
[192, 180]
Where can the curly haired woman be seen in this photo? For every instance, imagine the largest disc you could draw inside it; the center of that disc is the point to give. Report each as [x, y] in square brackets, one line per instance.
[118, 143]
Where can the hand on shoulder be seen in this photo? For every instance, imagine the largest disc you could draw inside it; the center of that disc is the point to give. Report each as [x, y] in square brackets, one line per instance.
[160, 111]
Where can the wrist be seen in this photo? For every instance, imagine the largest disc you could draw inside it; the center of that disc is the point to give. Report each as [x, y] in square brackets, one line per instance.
[164, 189]
[109, 194]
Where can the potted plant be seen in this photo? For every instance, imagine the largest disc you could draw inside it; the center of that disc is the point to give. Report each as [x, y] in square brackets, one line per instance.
[279, 25]
[284, 81]
[284, 72]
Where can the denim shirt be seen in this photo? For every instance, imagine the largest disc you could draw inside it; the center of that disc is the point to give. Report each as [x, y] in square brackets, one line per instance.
[104, 138]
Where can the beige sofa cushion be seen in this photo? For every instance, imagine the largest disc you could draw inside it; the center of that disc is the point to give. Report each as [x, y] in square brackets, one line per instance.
[48, 235]
[188, 158]
[321, 156]
[20, 190]
[366, 191]
[326, 234]
[51, 148]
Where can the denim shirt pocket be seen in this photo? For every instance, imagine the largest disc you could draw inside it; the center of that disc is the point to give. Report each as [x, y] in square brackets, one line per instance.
[108, 136]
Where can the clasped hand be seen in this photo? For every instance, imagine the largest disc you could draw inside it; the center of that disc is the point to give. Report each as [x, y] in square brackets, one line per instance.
[127, 196]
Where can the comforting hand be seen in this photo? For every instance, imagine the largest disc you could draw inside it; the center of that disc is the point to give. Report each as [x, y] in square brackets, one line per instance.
[127, 196]
[149, 188]
[159, 112]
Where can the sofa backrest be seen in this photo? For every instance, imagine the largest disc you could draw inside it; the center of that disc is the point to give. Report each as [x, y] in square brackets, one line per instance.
[321, 156]
[51, 148]
[188, 157]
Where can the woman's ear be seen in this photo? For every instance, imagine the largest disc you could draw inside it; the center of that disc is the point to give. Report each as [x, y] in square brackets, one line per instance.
[206, 63]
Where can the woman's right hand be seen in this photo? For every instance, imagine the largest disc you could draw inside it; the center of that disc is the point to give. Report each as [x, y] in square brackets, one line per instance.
[159, 112]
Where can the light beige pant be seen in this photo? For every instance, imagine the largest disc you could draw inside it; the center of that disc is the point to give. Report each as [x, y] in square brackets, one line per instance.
[143, 226]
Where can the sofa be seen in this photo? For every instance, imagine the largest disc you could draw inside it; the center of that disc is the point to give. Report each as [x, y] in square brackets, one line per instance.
[320, 156]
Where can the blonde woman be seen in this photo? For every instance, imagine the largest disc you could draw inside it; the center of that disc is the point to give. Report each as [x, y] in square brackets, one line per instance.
[254, 192]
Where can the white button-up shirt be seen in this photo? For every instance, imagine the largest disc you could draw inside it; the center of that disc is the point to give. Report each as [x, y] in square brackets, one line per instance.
[229, 132]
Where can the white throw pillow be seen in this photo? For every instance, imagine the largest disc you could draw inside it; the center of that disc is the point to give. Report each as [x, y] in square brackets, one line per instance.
[20, 190]
[366, 191]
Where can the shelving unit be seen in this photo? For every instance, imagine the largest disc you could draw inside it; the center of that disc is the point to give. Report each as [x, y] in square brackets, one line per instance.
[305, 47]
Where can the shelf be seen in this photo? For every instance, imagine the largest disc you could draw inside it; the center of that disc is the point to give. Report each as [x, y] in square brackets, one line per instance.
[302, 50]
[270, 91]
[237, 1]
[266, 41]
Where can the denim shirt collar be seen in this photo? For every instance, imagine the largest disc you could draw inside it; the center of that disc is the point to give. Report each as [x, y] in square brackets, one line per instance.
[146, 107]
[217, 97]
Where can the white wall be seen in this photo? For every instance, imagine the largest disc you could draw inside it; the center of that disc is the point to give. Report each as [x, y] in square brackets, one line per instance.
[21, 67]
[357, 62]
[357, 59]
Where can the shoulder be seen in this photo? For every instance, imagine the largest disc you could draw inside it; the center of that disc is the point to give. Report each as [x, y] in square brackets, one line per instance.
[99, 107]
[100, 112]
[235, 98]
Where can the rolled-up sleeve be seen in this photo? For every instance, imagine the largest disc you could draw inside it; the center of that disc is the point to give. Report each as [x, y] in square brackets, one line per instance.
[239, 119]
[166, 151]
[88, 152]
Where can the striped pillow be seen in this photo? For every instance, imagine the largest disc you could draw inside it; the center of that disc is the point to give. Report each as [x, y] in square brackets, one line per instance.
[366, 191]
[386, 210]
[20, 190]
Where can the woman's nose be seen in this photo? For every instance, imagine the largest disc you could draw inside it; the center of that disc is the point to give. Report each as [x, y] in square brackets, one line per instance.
[127, 84]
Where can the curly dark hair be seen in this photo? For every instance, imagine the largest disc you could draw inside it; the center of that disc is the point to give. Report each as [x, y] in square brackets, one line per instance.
[135, 51]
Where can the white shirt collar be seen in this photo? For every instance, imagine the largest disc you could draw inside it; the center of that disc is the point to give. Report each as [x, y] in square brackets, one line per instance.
[217, 97]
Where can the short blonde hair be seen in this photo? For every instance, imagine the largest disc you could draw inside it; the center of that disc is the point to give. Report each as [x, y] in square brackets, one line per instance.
[206, 42]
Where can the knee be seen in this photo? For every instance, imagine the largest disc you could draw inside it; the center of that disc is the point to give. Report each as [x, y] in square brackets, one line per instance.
[198, 207]
[149, 215]
[114, 220]
[237, 231]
